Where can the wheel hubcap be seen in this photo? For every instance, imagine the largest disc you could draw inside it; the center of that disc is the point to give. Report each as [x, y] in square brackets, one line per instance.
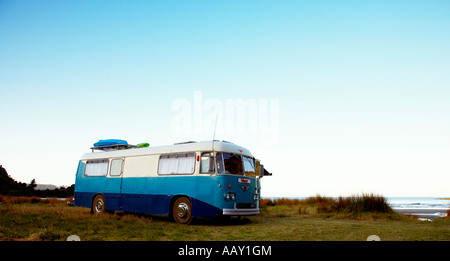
[182, 210]
[99, 206]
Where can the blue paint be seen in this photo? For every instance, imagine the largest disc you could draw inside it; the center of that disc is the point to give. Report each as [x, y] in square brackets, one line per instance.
[110, 142]
[154, 195]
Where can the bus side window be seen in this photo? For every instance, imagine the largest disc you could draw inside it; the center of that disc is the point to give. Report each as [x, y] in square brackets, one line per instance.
[181, 163]
[220, 165]
[96, 168]
[207, 163]
[116, 167]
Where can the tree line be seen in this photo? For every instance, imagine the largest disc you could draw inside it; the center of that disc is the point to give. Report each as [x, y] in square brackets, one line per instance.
[8, 186]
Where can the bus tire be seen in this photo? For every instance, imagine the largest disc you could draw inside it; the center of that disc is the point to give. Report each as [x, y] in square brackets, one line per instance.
[182, 211]
[98, 205]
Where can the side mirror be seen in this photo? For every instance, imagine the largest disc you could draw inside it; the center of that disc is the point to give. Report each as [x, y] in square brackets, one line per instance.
[263, 172]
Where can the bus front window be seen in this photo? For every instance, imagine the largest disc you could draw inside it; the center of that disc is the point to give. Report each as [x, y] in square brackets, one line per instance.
[228, 163]
[249, 166]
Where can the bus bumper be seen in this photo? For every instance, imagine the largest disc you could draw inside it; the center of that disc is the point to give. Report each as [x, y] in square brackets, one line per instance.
[240, 211]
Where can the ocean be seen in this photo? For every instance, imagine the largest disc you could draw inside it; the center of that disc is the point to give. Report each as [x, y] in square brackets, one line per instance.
[425, 208]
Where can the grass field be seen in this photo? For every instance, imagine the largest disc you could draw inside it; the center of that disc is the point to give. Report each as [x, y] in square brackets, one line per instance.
[279, 220]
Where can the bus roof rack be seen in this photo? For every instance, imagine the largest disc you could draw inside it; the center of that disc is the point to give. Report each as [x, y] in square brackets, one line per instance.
[115, 144]
[112, 147]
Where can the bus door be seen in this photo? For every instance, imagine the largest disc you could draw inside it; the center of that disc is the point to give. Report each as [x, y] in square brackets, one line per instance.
[114, 185]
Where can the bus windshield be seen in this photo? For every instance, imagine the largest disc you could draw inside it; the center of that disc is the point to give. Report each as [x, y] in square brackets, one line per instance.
[249, 166]
[229, 163]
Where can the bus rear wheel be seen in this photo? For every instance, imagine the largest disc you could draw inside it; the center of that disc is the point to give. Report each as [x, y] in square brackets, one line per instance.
[182, 211]
[98, 205]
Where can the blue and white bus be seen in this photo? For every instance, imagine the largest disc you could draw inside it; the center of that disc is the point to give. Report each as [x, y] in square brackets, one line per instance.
[184, 180]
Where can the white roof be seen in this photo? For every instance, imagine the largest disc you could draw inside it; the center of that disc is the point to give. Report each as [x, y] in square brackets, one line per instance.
[223, 146]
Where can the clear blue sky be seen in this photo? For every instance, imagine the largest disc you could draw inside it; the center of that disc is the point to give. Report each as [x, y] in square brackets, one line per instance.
[363, 86]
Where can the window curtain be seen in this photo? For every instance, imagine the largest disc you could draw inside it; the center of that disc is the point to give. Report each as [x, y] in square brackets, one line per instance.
[177, 164]
[168, 165]
[186, 164]
[96, 169]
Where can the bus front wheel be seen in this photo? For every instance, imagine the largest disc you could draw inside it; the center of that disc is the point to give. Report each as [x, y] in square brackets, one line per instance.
[182, 211]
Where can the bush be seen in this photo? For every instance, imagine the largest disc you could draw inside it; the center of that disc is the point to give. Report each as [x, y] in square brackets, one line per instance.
[365, 205]
[368, 205]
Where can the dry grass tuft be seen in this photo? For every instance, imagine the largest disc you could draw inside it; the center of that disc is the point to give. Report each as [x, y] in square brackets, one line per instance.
[29, 200]
[370, 206]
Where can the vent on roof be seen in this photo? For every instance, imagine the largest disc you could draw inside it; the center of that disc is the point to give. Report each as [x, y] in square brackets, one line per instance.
[185, 142]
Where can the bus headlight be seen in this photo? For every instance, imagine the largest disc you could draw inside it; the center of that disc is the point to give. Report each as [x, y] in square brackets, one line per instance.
[230, 196]
[255, 197]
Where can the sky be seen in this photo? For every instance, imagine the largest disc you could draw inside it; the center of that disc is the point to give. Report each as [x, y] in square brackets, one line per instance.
[335, 97]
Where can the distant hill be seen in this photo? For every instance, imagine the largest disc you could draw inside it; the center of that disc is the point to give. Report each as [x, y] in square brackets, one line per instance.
[45, 187]
[8, 186]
